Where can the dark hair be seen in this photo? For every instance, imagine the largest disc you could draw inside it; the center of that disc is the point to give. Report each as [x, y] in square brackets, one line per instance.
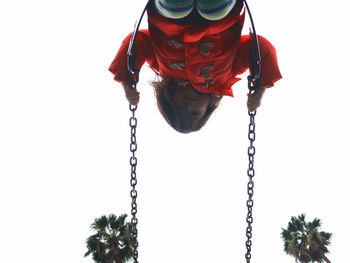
[178, 117]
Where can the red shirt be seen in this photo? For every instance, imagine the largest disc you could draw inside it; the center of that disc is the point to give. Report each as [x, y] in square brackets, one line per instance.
[209, 57]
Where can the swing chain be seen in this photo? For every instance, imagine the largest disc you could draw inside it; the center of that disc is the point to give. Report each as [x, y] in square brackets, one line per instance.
[133, 78]
[133, 183]
[253, 84]
[250, 185]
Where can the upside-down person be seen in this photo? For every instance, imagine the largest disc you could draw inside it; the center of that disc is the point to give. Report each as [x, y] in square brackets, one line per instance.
[197, 51]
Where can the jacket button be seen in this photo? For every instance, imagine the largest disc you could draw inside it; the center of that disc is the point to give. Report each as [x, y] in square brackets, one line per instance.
[177, 65]
[203, 47]
[174, 42]
[205, 74]
[207, 83]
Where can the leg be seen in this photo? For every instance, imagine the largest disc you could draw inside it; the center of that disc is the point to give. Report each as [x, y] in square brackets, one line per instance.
[174, 9]
[214, 9]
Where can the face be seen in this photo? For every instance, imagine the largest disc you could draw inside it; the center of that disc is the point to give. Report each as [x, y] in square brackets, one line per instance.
[192, 101]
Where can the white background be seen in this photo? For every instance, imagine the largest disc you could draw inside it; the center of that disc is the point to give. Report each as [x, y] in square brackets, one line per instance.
[64, 139]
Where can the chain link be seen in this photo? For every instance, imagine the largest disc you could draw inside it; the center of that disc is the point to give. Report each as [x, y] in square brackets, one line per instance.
[133, 183]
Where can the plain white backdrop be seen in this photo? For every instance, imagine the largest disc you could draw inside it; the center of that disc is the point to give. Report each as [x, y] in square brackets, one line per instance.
[64, 139]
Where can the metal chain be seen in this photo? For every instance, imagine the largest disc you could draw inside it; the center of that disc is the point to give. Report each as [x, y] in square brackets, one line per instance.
[133, 78]
[250, 185]
[133, 183]
[253, 83]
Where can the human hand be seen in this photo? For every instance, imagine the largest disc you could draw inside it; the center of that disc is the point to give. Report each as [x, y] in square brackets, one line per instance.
[131, 94]
[254, 100]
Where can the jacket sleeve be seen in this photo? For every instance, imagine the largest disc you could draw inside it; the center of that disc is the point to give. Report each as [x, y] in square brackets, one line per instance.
[144, 53]
[270, 72]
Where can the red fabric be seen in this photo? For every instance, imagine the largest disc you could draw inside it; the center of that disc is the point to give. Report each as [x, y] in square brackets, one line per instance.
[229, 54]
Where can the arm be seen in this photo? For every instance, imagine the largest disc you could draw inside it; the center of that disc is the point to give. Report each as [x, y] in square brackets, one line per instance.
[269, 67]
[144, 53]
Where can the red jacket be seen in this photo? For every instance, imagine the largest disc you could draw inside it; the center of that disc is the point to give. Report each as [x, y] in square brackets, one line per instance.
[209, 57]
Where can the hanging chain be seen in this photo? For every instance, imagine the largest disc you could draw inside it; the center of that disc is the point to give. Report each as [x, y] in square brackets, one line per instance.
[253, 83]
[133, 182]
[250, 186]
[133, 78]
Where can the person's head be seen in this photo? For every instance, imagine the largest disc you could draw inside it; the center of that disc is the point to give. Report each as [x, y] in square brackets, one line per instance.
[185, 109]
